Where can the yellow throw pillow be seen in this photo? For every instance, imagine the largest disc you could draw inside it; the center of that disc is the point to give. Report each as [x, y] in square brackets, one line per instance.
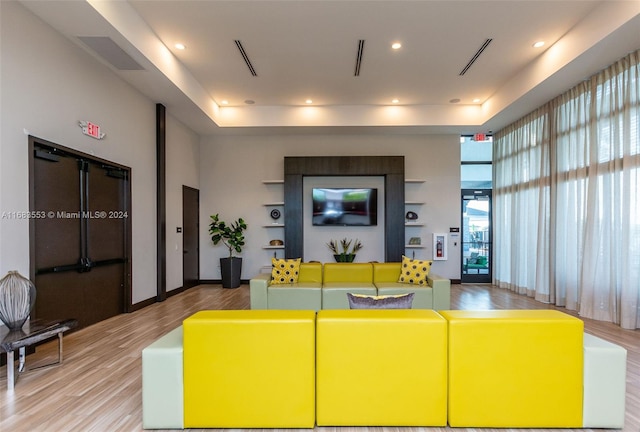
[414, 271]
[284, 271]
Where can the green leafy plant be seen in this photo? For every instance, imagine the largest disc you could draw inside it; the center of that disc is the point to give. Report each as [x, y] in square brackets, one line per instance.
[231, 235]
[341, 251]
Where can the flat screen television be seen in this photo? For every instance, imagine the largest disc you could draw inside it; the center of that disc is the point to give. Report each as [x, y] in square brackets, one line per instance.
[345, 206]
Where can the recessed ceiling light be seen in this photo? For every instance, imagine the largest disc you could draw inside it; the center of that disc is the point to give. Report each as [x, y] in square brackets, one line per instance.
[180, 46]
[538, 44]
[396, 45]
[395, 101]
[249, 102]
[225, 102]
[476, 100]
[456, 100]
[308, 101]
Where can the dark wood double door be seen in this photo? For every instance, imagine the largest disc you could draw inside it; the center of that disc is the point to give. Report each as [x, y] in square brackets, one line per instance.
[80, 234]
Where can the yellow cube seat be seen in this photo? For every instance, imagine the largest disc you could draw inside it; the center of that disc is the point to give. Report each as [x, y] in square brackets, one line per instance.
[381, 368]
[249, 369]
[515, 368]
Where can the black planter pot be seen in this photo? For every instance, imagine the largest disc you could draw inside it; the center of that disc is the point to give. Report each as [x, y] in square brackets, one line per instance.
[344, 257]
[231, 269]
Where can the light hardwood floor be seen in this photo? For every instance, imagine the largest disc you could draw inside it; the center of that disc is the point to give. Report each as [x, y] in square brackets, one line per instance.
[98, 387]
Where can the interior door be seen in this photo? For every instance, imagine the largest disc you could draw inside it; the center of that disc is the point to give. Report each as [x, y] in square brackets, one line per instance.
[190, 237]
[476, 236]
[80, 247]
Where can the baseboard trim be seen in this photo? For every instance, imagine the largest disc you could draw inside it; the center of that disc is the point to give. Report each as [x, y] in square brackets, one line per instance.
[143, 304]
[219, 281]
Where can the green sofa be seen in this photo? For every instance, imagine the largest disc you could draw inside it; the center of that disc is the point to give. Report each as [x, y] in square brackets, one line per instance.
[435, 295]
[325, 286]
[306, 294]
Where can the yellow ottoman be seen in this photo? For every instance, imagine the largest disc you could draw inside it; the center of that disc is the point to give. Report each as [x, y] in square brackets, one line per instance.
[515, 368]
[249, 369]
[381, 368]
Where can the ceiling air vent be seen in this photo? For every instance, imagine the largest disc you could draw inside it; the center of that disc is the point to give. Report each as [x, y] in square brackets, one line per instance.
[106, 48]
[245, 57]
[359, 57]
[475, 57]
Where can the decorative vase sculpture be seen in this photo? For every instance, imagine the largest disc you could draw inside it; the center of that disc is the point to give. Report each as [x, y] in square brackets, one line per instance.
[17, 297]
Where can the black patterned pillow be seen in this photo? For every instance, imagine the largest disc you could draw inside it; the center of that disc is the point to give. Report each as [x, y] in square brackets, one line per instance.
[360, 301]
[414, 271]
[285, 271]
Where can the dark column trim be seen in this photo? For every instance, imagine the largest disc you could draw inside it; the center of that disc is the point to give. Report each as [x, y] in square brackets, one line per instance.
[161, 200]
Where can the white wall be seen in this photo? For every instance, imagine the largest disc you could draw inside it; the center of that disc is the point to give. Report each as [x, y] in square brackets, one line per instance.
[233, 168]
[182, 154]
[48, 84]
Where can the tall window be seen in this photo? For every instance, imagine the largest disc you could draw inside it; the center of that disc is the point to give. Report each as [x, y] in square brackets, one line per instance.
[476, 183]
[566, 199]
[475, 157]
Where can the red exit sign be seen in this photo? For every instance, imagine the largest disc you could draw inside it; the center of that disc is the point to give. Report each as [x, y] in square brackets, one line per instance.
[91, 129]
[479, 137]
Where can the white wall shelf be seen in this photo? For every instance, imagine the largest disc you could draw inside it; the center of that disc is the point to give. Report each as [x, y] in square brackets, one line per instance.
[413, 227]
[274, 186]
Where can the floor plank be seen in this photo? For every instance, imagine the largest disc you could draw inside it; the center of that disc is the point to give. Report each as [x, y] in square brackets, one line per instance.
[98, 387]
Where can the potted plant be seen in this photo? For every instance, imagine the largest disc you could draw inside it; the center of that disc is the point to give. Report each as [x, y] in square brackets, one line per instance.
[232, 235]
[342, 253]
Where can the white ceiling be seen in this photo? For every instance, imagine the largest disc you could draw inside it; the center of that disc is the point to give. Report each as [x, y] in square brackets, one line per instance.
[307, 50]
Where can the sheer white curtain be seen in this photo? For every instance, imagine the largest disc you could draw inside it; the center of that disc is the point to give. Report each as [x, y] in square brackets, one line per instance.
[566, 199]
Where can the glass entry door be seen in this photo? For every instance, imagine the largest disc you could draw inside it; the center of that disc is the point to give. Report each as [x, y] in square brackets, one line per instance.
[476, 235]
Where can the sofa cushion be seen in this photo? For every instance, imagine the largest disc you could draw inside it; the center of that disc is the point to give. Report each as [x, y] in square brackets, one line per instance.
[296, 296]
[249, 369]
[348, 272]
[359, 301]
[386, 272]
[531, 361]
[381, 368]
[310, 272]
[414, 271]
[284, 271]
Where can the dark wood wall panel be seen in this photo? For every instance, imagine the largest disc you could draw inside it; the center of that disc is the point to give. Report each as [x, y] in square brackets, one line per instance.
[394, 217]
[293, 230]
[391, 167]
